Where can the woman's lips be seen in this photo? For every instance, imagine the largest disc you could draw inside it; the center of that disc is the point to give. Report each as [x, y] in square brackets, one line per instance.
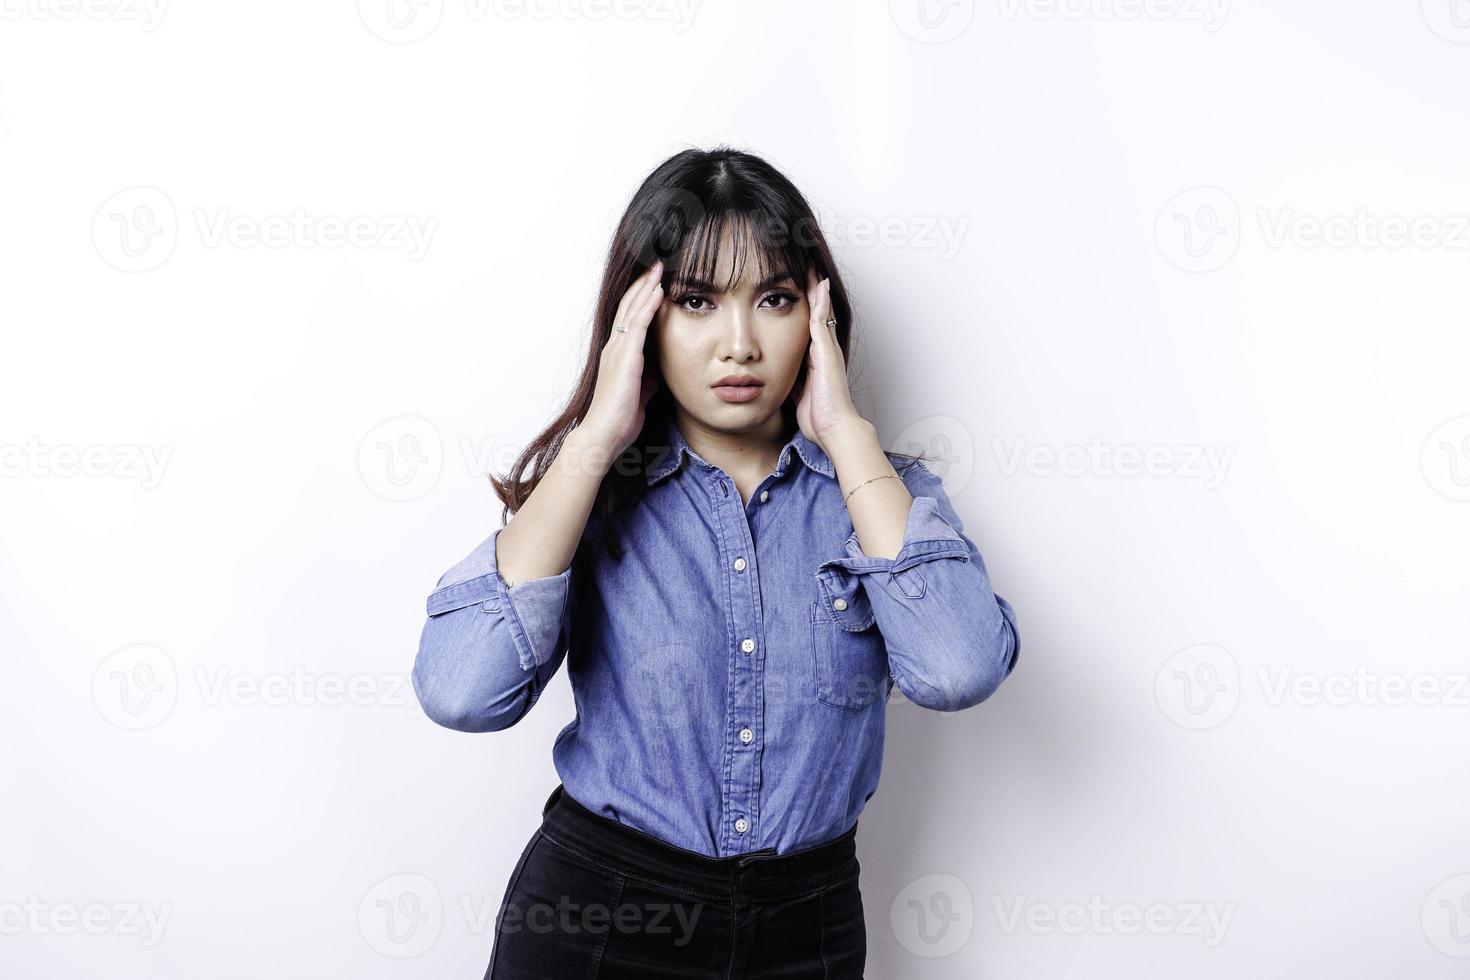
[739, 393]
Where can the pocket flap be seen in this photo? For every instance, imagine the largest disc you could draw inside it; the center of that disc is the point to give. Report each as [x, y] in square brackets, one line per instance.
[463, 594]
[845, 600]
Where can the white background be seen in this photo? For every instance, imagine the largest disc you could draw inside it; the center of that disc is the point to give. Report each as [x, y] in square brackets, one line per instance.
[1170, 227]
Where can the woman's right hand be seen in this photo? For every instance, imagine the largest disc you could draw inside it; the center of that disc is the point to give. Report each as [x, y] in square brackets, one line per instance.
[622, 390]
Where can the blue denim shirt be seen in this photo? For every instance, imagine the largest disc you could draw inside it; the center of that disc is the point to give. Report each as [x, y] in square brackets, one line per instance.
[731, 672]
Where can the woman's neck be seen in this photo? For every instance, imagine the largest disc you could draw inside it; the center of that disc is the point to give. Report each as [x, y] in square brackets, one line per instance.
[748, 457]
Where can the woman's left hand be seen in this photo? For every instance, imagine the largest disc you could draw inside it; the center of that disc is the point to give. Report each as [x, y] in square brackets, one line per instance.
[825, 404]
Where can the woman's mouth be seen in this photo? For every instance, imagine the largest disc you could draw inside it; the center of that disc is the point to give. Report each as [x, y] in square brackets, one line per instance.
[741, 390]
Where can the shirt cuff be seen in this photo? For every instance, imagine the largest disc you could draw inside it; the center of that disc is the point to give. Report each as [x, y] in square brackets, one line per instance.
[533, 609]
[927, 537]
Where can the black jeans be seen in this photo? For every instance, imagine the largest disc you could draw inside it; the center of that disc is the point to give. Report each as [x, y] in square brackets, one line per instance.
[592, 899]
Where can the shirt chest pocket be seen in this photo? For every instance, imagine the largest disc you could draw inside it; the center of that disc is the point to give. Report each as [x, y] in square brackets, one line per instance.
[849, 659]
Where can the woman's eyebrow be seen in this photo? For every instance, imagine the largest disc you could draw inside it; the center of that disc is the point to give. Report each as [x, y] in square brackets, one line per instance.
[705, 286]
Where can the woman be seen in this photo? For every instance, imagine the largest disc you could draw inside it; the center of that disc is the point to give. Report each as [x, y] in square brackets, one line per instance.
[736, 574]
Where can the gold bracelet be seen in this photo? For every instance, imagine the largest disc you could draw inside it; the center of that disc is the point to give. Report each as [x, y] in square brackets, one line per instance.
[888, 476]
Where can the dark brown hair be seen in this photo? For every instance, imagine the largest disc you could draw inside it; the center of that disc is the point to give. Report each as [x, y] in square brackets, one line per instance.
[679, 215]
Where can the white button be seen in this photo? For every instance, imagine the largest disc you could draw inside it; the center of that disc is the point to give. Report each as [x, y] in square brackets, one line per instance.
[839, 604]
[747, 736]
[739, 564]
[747, 645]
[764, 495]
[742, 825]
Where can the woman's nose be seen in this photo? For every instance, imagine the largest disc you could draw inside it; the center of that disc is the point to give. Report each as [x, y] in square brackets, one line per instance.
[736, 334]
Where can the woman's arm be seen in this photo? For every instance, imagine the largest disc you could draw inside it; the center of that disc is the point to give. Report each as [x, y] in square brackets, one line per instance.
[951, 640]
[499, 620]
[543, 537]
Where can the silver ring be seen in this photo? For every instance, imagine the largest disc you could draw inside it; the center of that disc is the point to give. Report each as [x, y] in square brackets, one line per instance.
[622, 329]
[832, 322]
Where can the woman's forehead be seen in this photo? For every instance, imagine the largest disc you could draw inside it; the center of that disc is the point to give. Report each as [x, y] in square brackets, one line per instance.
[761, 265]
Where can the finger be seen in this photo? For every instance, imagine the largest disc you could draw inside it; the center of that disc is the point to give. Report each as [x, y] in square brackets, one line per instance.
[638, 291]
[644, 286]
[654, 274]
[821, 307]
[654, 294]
[634, 323]
[650, 307]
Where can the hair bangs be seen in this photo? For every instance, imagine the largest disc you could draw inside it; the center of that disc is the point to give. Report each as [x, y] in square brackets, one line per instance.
[777, 254]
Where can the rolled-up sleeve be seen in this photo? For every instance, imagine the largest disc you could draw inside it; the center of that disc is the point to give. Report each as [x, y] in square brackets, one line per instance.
[951, 640]
[489, 648]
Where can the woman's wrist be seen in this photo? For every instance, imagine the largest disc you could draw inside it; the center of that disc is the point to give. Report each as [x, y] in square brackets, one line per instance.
[842, 439]
[588, 450]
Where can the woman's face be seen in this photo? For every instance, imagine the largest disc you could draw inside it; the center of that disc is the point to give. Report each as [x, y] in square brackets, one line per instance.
[757, 329]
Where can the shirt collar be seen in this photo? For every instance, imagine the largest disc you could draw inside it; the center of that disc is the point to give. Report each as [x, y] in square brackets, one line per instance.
[668, 447]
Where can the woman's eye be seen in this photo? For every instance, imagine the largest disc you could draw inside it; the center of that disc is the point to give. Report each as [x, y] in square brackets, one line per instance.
[783, 301]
